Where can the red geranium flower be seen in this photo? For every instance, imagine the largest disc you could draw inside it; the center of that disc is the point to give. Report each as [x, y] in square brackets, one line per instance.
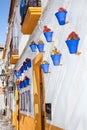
[26, 78]
[46, 29]
[61, 9]
[72, 35]
[28, 59]
[24, 63]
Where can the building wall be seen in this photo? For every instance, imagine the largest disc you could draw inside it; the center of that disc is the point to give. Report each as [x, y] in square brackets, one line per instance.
[65, 86]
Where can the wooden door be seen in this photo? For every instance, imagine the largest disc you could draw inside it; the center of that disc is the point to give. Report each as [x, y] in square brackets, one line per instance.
[39, 96]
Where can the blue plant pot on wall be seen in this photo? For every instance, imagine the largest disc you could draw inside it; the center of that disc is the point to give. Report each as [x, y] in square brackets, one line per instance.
[19, 87]
[17, 74]
[56, 59]
[25, 67]
[28, 64]
[27, 82]
[48, 36]
[61, 17]
[45, 68]
[23, 84]
[40, 47]
[22, 69]
[33, 47]
[72, 45]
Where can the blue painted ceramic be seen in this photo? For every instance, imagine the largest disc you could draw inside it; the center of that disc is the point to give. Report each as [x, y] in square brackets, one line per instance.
[27, 82]
[33, 47]
[48, 36]
[19, 87]
[40, 47]
[45, 68]
[25, 67]
[23, 84]
[72, 45]
[56, 59]
[17, 74]
[28, 64]
[61, 17]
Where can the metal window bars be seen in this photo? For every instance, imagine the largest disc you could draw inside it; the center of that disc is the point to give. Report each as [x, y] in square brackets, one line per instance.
[24, 6]
[34, 3]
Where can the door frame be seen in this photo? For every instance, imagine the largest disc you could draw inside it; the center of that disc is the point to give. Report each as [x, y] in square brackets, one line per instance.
[37, 78]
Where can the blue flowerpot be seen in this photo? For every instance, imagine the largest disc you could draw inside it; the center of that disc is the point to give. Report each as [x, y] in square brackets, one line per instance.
[28, 64]
[56, 59]
[45, 68]
[61, 17]
[40, 47]
[25, 67]
[23, 84]
[48, 36]
[72, 45]
[19, 87]
[17, 74]
[33, 47]
[22, 69]
[27, 82]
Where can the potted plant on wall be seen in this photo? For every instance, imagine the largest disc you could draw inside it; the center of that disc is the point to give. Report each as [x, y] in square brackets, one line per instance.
[28, 62]
[72, 42]
[26, 81]
[40, 46]
[45, 66]
[48, 34]
[22, 69]
[61, 16]
[33, 46]
[17, 73]
[56, 56]
[25, 65]
[19, 86]
[23, 84]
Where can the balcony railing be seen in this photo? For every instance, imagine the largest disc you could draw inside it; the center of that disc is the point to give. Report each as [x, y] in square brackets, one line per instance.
[24, 6]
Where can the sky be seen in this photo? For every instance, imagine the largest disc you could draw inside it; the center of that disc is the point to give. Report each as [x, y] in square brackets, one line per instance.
[4, 12]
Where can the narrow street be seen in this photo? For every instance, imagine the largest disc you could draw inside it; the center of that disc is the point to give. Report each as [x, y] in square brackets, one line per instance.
[5, 123]
[43, 65]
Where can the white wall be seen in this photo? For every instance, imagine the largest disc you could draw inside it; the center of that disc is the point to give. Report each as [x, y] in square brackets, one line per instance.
[65, 86]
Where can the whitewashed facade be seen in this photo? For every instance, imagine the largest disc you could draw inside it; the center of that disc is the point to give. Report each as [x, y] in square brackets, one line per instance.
[66, 85]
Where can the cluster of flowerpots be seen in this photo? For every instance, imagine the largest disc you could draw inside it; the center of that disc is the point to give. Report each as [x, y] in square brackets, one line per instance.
[26, 64]
[73, 38]
[55, 56]
[24, 83]
[72, 42]
[39, 46]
